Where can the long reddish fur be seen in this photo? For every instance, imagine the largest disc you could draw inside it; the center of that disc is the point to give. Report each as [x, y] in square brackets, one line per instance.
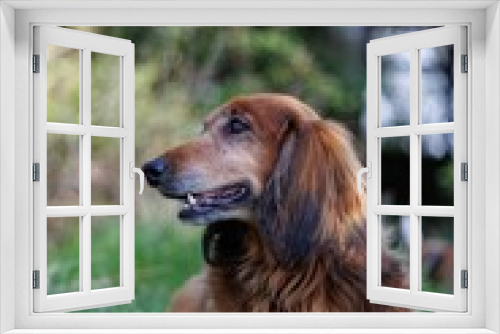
[306, 251]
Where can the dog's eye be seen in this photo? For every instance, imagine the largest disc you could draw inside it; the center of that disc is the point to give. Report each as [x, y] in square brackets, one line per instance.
[237, 125]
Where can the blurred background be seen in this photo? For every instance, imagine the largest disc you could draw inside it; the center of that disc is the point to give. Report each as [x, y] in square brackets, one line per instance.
[181, 74]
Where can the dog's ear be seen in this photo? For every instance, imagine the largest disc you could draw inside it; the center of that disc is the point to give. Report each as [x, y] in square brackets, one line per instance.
[311, 196]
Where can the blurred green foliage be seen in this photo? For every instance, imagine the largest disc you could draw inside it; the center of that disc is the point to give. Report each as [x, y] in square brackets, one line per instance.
[181, 74]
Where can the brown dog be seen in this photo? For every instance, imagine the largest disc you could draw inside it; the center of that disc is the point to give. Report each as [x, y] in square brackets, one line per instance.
[276, 187]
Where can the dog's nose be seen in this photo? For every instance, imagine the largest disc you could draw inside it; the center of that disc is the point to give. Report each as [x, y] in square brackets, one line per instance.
[154, 171]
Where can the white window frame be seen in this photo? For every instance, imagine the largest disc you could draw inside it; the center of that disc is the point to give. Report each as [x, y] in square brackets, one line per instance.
[483, 21]
[413, 43]
[123, 50]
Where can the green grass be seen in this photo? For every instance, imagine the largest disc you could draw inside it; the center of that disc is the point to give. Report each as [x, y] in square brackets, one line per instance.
[166, 254]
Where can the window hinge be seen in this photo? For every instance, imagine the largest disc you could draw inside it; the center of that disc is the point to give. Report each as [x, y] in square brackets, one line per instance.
[464, 171]
[465, 64]
[465, 279]
[36, 279]
[36, 63]
[36, 172]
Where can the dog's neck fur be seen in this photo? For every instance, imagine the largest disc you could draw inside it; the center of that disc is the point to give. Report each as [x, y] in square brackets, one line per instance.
[259, 283]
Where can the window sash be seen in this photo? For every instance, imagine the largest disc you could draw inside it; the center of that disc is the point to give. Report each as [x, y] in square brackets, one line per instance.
[86, 297]
[413, 42]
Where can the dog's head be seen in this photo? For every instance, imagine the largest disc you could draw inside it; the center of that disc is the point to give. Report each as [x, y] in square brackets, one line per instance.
[267, 159]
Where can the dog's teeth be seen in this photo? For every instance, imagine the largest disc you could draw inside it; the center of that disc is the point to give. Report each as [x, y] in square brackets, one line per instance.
[191, 199]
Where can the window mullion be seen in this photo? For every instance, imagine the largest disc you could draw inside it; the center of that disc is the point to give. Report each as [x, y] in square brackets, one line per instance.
[85, 244]
[414, 171]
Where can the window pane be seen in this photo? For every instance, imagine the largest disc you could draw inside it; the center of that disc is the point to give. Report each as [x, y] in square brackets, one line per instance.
[105, 89]
[395, 81]
[63, 255]
[395, 164]
[437, 84]
[105, 171]
[437, 254]
[105, 241]
[63, 84]
[437, 169]
[63, 176]
[395, 262]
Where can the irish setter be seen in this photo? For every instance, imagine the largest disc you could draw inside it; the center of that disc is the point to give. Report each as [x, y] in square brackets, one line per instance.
[275, 186]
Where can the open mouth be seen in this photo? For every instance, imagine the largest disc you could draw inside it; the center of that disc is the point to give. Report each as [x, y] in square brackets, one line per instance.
[203, 203]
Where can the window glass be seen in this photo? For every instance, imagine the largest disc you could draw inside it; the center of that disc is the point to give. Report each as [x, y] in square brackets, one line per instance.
[437, 169]
[395, 81]
[63, 84]
[105, 78]
[105, 243]
[395, 161]
[63, 255]
[63, 169]
[106, 171]
[436, 87]
[437, 254]
[395, 251]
